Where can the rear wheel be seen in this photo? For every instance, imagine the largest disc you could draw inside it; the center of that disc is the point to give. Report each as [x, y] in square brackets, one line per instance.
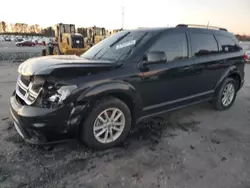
[107, 125]
[226, 94]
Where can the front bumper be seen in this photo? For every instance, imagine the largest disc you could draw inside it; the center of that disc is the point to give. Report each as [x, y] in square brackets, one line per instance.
[45, 126]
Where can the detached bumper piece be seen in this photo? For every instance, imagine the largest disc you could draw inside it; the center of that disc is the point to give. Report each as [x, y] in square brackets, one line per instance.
[42, 125]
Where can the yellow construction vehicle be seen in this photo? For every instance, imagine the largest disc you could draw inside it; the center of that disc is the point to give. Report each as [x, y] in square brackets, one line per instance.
[94, 35]
[66, 41]
[116, 30]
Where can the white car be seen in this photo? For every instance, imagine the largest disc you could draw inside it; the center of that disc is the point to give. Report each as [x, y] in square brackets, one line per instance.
[248, 55]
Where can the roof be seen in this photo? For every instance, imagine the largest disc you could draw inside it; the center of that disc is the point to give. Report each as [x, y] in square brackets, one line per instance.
[153, 29]
[183, 27]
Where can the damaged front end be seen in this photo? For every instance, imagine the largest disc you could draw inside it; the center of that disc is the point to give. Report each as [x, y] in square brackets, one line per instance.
[41, 112]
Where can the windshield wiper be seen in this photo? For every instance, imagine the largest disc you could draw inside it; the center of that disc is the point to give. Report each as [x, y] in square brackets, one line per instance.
[97, 53]
[119, 39]
[133, 47]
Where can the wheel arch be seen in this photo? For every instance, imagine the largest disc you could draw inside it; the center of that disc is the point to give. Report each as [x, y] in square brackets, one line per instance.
[231, 72]
[118, 89]
[236, 76]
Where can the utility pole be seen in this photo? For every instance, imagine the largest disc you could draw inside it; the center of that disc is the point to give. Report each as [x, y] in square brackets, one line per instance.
[208, 24]
[122, 14]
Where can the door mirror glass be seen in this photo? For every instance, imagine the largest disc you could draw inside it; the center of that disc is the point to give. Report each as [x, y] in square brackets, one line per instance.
[155, 57]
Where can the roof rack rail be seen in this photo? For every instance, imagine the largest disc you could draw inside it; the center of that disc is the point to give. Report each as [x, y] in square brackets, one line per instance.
[201, 26]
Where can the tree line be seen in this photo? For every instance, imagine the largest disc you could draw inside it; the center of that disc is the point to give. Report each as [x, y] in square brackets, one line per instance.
[25, 29]
[243, 37]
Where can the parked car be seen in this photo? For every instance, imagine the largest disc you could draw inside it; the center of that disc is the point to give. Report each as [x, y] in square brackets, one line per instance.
[25, 43]
[126, 78]
[7, 39]
[248, 55]
[41, 43]
[19, 39]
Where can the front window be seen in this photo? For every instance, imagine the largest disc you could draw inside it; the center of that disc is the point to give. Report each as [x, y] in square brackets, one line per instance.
[174, 45]
[116, 47]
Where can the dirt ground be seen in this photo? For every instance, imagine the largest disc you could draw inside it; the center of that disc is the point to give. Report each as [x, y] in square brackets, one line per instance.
[196, 147]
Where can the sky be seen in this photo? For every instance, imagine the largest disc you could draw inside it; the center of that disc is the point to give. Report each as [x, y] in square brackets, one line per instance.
[231, 14]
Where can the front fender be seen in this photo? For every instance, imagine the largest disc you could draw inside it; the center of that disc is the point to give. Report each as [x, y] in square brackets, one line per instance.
[116, 87]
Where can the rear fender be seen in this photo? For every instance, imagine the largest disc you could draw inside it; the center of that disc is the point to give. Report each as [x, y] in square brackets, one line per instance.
[228, 72]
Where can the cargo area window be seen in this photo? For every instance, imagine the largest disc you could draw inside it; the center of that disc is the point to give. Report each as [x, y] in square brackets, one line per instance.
[203, 44]
[226, 44]
[174, 45]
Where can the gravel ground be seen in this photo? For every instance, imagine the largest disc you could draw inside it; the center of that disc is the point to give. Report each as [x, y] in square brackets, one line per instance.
[190, 148]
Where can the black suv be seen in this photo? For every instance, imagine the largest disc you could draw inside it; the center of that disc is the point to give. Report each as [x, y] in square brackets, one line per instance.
[127, 77]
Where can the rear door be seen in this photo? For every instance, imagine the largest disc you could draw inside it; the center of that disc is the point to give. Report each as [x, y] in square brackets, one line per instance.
[207, 62]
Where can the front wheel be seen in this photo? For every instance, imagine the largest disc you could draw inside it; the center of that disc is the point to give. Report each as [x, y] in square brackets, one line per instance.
[107, 125]
[226, 94]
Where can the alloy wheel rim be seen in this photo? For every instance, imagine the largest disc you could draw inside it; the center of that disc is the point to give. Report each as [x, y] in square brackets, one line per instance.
[109, 125]
[228, 94]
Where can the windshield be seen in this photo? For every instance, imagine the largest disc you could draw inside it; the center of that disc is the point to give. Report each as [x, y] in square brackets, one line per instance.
[115, 47]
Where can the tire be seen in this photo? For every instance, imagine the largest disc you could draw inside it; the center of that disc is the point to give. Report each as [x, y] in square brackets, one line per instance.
[218, 102]
[110, 104]
[43, 53]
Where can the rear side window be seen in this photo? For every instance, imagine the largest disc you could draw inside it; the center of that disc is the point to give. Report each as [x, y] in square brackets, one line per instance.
[203, 44]
[174, 45]
[227, 44]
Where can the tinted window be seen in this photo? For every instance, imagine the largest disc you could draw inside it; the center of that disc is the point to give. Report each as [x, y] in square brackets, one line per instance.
[174, 45]
[203, 44]
[227, 44]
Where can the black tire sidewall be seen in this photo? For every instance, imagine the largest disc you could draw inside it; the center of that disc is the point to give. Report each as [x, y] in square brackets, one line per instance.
[87, 135]
[219, 104]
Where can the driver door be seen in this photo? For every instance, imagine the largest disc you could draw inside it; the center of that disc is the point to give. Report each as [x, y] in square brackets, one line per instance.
[168, 83]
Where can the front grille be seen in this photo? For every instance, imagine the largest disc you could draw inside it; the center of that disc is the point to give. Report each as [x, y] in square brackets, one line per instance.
[25, 79]
[22, 91]
[26, 90]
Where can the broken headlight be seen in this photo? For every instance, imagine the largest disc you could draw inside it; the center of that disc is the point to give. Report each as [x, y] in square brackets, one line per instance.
[62, 93]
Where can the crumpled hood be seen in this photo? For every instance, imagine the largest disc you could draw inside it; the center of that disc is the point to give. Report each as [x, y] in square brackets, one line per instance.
[46, 64]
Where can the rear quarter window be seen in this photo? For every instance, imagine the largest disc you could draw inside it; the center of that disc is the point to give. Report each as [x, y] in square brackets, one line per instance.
[203, 44]
[227, 44]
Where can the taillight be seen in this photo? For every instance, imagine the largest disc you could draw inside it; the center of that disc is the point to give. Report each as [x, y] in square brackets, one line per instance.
[245, 57]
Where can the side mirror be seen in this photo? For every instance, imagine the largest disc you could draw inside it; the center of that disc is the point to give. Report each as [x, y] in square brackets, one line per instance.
[155, 57]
